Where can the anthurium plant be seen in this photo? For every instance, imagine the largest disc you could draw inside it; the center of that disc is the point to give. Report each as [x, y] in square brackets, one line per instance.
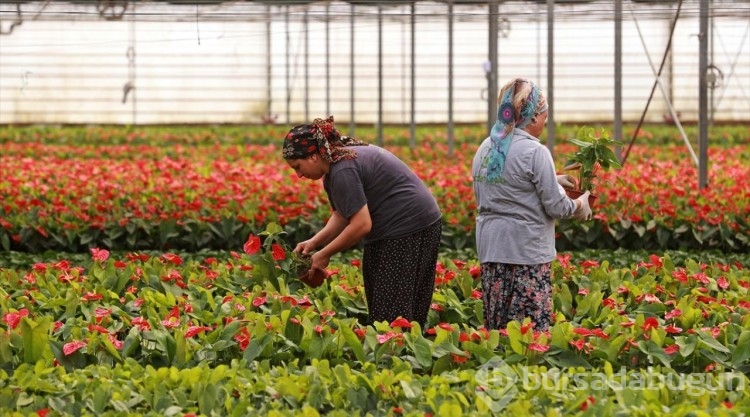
[594, 153]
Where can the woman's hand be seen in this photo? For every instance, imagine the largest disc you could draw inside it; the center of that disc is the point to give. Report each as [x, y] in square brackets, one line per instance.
[305, 248]
[319, 261]
[566, 181]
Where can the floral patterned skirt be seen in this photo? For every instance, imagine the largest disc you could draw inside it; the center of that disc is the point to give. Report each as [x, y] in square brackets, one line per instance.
[514, 292]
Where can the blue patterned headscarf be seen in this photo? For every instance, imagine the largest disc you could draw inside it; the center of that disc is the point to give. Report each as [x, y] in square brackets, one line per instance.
[518, 102]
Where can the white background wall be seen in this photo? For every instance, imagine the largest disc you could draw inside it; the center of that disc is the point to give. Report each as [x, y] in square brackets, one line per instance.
[209, 64]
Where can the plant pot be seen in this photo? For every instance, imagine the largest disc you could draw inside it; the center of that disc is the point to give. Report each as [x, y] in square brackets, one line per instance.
[312, 277]
[577, 193]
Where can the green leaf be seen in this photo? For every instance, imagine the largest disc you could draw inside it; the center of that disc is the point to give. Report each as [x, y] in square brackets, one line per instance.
[35, 338]
[741, 351]
[566, 359]
[351, 340]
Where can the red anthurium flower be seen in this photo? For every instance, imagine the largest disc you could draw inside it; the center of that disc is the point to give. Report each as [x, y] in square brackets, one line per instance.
[674, 313]
[71, 347]
[578, 344]
[318, 329]
[243, 338]
[90, 296]
[13, 319]
[62, 265]
[116, 343]
[526, 327]
[98, 328]
[582, 331]
[701, 277]
[460, 358]
[476, 294]
[436, 307]
[589, 402]
[194, 330]
[401, 322]
[277, 252]
[289, 299]
[564, 260]
[583, 291]
[481, 334]
[650, 323]
[722, 282]
[459, 263]
[141, 323]
[600, 334]
[42, 412]
[475, 271]
[589, 263]
[304, 301]
[120, 264]
[99, 255]
[538, 348]
[172, 258]
[382, 338]
[463, 337]
[671, 349]
[446, 326]
[680, 275]
[672, 329]
[173, 318]
[259, 301]
[39, 267]
[609, 302]
[360, 332]
[252, 246]
[355, 262]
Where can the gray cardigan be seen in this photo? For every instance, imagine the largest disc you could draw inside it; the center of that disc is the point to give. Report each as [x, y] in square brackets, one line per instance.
[515, 222]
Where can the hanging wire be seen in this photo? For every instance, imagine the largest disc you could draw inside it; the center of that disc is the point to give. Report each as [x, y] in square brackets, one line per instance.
[656, 83]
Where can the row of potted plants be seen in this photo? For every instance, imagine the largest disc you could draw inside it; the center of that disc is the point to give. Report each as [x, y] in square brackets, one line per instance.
[136, 197]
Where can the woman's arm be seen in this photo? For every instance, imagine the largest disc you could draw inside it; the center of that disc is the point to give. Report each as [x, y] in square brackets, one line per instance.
[354, 230]
[333, 228]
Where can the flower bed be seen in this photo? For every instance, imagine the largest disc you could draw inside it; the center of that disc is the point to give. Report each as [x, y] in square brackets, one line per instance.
[71, 197]
[166, 336]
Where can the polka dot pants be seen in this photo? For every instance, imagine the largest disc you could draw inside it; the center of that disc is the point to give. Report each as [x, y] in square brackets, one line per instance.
[399, 275]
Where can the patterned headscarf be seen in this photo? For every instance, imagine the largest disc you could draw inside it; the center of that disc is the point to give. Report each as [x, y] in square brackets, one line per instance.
[518, 102]
[319, 138]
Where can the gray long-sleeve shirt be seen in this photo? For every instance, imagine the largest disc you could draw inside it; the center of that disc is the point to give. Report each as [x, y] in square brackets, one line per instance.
[516, 219]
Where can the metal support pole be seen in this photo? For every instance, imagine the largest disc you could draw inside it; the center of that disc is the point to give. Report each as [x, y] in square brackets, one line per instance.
[413, 104]
[380, 76]
[450, 78]
[551, 75]
[307, 65]
[703, 97]
[618, 77]
[269, 65]
[287, 68]
[352, 62]
[492, 79]
[328, 60]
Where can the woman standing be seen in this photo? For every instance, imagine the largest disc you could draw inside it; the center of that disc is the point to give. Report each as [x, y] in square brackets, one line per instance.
[377, 199]
[519, 196]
